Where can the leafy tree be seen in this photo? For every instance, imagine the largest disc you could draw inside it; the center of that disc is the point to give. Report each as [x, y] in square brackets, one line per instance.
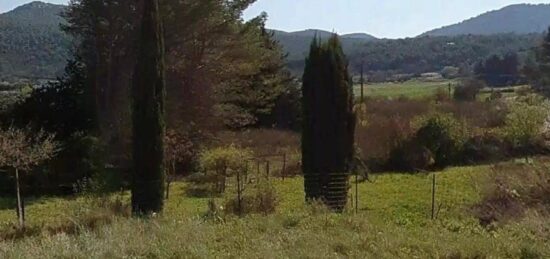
[148, 94]
[63, 107]
[538, 70]
[254, 97]
[443, 136]
[328, 121]
[21, 150]
[500, 71]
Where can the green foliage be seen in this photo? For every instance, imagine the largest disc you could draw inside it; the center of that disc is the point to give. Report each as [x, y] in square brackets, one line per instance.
[525, 122]
[415, 55]
[412, 89]
[394, 208]
[267, 95]
[500, 71]
[222, 162]
[537, 68]
[443, 135]
[258, 198]
[148, 98]
[328, 130]
[32, 44]
[63, 107]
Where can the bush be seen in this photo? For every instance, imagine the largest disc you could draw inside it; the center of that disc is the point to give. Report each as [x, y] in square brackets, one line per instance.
[484, 148]
[443, 135]
[222, 162]
[511, 191]
[524, 124]
[441, 95]
[468, 90]
[261, 198]
[411, 157]
[387, 126]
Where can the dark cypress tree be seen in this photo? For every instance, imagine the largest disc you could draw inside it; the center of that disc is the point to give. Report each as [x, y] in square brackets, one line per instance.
[148, 115]
[329, 124]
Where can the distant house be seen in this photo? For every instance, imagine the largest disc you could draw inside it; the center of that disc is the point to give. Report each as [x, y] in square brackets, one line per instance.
[431, 75]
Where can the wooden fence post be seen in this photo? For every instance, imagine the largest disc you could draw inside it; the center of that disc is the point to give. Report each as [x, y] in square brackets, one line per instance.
[433, 196]
[283, 172]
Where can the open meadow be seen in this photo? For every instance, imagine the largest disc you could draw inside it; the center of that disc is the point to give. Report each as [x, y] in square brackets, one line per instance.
[415, 89]
[393, 221]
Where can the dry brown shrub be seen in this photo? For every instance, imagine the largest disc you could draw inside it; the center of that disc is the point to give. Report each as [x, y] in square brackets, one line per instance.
[511, 191]
[388, 125]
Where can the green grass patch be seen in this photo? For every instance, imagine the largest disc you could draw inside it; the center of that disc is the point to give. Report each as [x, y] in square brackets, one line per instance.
[414, 89]
[393, 222]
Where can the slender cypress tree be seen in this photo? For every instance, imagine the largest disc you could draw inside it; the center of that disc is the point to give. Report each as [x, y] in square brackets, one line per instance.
[148, 115]
[329, 123]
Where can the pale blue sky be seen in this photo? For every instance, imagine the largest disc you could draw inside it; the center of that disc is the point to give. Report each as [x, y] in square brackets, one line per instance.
[382, 18]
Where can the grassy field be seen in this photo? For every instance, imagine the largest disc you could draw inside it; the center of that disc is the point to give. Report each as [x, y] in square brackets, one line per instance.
[418, 89]
[393, 222]
[412, 89]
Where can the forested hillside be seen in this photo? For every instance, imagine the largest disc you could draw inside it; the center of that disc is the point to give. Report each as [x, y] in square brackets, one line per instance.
[520, 19]
[31, 42]
[33, 46]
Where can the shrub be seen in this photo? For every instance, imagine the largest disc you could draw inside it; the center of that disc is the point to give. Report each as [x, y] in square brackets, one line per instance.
[222, 162]
[441, 95]
[468, 90]
[511, 190]
[443, 135]
[524, 124]
[484, 148]
[260, 198]
[411, 156]
[388, 126]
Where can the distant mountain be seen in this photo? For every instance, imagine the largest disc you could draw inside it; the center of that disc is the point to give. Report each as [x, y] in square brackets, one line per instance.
[519, 19]
[296, 44]
[31, 43]
[33, 46]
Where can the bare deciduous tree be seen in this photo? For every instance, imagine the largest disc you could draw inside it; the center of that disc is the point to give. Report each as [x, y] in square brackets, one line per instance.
[21, 150]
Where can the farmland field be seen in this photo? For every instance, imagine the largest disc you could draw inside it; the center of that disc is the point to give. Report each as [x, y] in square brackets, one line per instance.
[412, 89]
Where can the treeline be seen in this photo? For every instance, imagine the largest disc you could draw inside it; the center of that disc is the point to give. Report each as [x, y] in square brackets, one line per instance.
[221, 72]
[384, 58]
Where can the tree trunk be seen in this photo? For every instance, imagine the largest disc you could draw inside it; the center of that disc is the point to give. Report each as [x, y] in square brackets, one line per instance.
[20, 208]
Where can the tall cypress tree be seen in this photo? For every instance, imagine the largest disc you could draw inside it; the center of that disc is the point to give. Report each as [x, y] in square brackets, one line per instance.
[148, 115]
[328, 123]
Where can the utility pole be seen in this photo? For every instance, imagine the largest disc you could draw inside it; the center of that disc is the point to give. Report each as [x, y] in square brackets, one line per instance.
[362, 84]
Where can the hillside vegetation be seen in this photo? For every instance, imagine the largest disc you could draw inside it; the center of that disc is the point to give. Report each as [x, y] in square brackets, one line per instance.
[521, 18]
[33, 29]
[32, 43]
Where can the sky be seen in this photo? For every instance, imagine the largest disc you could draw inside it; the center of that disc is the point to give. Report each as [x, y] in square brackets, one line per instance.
[381, 18]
